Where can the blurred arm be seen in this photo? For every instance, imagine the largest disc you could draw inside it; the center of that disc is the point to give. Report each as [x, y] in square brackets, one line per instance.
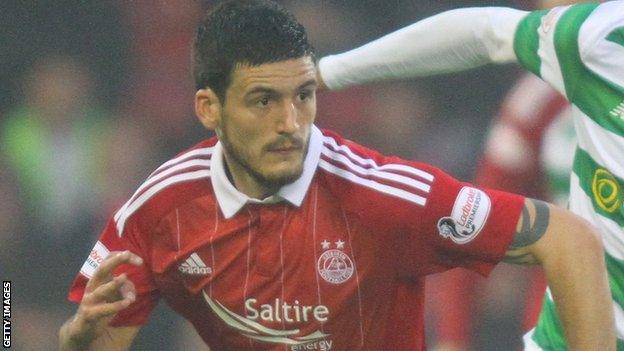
[451, 41]
[570, 252]
[109, 339]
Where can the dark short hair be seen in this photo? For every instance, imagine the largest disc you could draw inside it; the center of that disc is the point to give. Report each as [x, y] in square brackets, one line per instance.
[250, 32]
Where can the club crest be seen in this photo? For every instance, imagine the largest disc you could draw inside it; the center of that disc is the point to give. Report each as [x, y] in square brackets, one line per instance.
[334, 266]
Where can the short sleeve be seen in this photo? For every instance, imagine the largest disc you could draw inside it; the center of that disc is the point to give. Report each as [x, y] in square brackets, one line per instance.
[461, 225]
[147, 294]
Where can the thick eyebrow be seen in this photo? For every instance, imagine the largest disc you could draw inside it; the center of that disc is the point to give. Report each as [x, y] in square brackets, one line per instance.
[312, 83]
[263, 90]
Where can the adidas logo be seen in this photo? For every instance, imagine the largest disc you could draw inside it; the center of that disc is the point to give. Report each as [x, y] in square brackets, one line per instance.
[194, 265]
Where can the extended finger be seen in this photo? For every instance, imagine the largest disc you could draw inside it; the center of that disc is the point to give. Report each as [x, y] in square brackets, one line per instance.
[114, 260]
[107, 292]
[97, 312]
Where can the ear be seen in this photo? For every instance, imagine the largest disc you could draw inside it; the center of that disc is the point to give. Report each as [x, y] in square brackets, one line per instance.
[208, 108]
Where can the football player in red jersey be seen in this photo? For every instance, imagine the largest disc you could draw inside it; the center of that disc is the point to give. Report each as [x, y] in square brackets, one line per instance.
[276, 235]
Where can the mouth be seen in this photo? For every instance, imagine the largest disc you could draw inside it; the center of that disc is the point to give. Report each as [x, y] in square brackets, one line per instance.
[286, 148]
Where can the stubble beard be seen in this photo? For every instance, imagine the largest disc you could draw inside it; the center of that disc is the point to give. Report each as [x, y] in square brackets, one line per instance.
[268, 181]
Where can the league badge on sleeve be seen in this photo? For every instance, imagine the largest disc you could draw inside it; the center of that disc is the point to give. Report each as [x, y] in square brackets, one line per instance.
[470, 212]
[96, 256]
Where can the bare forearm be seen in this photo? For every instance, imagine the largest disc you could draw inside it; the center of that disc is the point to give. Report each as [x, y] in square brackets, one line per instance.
[571, 254]
[77, 338]
[451, 41]
[584, 305]
[69, 341]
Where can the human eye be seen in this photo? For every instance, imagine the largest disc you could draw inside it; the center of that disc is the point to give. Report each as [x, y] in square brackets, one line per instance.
[263, 101]
[305, 95]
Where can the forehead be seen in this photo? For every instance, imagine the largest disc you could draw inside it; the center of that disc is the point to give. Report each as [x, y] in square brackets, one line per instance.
[287, 74]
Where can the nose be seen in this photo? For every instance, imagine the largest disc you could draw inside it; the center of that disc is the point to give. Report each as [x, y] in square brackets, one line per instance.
[288, 122]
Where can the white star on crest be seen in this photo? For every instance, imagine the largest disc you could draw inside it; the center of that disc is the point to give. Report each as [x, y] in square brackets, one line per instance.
[339, 244]
[325, 244]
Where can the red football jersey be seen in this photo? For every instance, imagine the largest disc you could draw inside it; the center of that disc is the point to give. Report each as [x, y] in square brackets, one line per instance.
[334, 261]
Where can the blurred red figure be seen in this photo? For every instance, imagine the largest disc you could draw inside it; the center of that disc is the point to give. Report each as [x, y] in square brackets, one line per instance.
[528, 152]
[520, 156]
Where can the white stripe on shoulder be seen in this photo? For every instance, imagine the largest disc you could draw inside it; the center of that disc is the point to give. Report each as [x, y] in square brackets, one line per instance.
[191, 154]
[367, 161]
[139, 201]
[158, 177]
[375, 171]
[417, 199]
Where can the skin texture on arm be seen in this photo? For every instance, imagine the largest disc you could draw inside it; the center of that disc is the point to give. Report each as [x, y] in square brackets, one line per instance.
[104, 296]
[571, 254]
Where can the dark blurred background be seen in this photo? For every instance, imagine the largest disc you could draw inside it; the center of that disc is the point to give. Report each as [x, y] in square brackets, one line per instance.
[96, 94]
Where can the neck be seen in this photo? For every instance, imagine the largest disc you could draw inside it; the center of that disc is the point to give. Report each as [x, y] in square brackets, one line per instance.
[246, 182]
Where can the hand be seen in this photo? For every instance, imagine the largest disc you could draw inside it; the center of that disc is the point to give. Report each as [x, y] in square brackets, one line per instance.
[104, 296]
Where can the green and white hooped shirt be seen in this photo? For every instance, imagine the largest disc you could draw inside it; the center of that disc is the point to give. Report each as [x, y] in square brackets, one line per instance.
[579, 50]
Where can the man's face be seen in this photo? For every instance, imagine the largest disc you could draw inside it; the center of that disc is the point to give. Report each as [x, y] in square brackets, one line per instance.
[266, 119]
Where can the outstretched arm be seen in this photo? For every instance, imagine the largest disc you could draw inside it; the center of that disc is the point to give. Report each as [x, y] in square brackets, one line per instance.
[451, 41]
[570, 252]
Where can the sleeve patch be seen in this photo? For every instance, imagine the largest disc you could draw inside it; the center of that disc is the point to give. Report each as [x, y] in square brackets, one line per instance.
[97, 255]
[469, 215]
